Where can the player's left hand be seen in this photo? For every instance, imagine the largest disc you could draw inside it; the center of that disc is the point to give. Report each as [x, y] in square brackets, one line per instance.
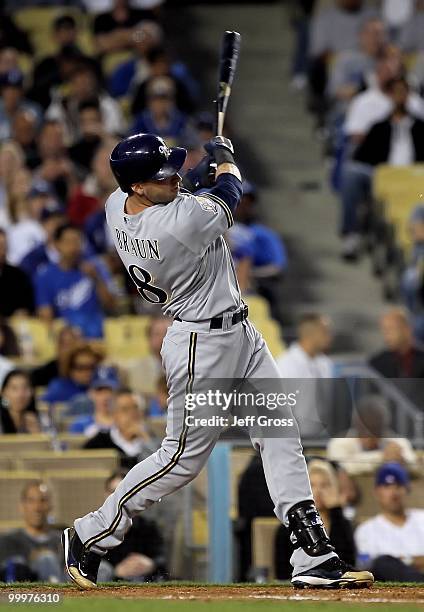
[202, 175]
[221, 149]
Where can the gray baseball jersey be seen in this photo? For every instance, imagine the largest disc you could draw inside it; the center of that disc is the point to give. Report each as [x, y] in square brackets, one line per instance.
[177, 257]
[176, 254]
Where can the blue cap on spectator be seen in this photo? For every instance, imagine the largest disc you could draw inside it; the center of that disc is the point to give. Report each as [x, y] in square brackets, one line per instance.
[249, 188]
[12, 78]
[105, 378]
[40, 187]
[417, 215]
[391, 473]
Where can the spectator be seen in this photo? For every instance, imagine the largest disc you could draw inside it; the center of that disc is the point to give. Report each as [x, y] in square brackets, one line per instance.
[375, 104]
[370, 441]
[333, 30]
[141, 557]
[160, 65]
[91, 196]
[130, 74]
[28, 232]
[24, 133]
[9, 59]
[269, 260]
[55, 166]
[393, 541]
[336, 29]
[144, 373]
[44, 374]
[12, 100]
[397, 140]
[307, 364]
[77, 368]
[74, 289]
[352, 69]
[17, 296]
[116, 29]
[52, 217]
[101, 396]
[53, 70]
[83, 83]
[412, 281]
[161, 115]
[128, 434]
[92, 133]
[306, 358]
[402, 357]
[326, 493]
[17, 407]
[34, 551]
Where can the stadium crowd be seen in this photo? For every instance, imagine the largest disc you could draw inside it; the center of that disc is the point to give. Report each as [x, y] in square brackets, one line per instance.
[110, 73]
[361, 63]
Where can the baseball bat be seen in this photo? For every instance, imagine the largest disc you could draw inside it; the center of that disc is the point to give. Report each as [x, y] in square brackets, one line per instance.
[230, 50]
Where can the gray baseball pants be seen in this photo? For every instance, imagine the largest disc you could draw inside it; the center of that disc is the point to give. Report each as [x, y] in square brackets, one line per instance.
[192, 354]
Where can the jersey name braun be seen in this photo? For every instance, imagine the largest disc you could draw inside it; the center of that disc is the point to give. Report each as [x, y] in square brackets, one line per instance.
[176, 254]
[144, 249]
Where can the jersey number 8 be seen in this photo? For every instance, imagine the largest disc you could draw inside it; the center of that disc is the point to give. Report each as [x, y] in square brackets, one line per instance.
[142, 279]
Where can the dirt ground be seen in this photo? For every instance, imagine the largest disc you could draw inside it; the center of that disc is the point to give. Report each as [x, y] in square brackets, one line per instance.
[378, 594]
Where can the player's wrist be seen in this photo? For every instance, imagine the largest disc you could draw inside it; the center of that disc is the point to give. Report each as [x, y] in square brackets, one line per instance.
[223, 156]
[228, 168]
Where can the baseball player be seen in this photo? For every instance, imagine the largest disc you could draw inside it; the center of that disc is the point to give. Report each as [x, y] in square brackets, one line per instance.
[171, 242]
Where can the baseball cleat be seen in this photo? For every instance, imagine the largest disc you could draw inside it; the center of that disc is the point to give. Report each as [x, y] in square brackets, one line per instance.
[81, 564]
[333, 574]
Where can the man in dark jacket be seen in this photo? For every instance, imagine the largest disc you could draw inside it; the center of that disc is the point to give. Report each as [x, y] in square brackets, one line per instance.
[398, 140]
[403, 359]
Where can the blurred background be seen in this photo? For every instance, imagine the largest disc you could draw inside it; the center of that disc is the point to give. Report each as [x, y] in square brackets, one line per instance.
[327, 120]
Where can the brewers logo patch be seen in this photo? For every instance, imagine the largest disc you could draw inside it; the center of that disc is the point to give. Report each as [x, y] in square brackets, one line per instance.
[208, 205]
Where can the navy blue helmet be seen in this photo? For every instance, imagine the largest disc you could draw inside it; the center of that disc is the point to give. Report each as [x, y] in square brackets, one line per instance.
[144, 157]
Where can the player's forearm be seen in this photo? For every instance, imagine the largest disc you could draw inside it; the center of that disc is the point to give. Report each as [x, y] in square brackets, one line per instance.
[228, 186]
[228, 168]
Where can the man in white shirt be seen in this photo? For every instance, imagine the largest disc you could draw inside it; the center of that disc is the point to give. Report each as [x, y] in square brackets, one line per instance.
[375, 104]
[306, 359]
[388, 129]
[370, 442]
[393, 541]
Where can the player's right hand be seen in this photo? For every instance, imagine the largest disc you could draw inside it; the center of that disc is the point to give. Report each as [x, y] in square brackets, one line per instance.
[201, 176]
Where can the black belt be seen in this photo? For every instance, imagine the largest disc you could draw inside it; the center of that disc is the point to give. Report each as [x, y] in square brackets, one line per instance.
[217, 322]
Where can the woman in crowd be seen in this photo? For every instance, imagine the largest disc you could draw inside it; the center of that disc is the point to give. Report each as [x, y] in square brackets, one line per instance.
[18, 413]
[77, 367]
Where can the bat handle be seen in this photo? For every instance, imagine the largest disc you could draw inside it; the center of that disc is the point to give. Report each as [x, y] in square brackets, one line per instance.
[220, 123]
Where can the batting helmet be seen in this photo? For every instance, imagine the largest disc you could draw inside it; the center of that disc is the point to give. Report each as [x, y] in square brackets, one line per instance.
[144, 157]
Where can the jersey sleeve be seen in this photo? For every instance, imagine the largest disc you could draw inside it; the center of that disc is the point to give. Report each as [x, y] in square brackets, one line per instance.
[199, 220]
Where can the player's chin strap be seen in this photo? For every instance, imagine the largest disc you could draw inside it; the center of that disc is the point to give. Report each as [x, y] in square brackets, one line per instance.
[307, 530]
